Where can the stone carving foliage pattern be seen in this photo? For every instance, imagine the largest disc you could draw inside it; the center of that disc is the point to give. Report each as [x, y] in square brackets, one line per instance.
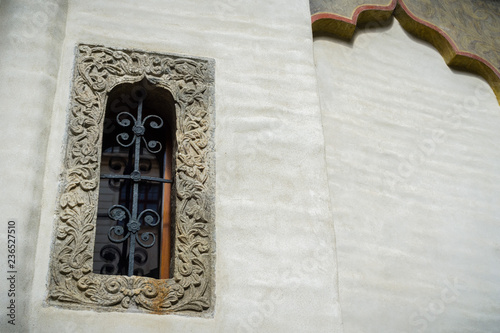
[190, 81]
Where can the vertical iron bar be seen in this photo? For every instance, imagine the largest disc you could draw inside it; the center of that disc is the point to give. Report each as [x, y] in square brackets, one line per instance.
[136, 190]
[131, 256]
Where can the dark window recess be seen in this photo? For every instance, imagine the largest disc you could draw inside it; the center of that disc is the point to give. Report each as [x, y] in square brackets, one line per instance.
[133, 229]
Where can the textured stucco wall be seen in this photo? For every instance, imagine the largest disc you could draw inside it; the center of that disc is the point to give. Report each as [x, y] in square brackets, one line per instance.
[31, 33]
[275, 262]
[410, 148]
[414, 174]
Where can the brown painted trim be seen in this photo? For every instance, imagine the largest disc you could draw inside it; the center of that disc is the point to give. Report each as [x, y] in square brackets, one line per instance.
[166, 227]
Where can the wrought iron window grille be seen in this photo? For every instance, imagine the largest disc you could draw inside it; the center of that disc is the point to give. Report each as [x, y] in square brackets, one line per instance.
[131, 231]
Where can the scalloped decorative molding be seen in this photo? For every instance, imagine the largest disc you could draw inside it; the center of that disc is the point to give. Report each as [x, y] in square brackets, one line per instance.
[466, 33]
[340, 18]
[72, 284]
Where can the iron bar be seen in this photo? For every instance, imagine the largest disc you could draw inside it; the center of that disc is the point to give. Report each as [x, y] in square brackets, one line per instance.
[119, 212]
[154, 179]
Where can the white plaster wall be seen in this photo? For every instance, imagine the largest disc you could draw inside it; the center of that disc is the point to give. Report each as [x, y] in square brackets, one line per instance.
[31, 34]
[414, 175]
[275, 264]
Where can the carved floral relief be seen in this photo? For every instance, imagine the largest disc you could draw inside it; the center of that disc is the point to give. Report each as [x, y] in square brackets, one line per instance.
[190, 81]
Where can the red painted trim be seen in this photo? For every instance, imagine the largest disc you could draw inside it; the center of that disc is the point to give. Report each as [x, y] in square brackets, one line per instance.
[448, 38]
[335, 17]
[357, 11]
[391, 7]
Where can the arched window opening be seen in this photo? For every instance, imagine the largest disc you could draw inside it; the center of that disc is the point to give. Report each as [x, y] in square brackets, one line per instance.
[133, 229]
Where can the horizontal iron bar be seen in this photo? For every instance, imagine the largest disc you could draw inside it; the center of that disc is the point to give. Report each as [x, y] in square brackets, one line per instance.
[155, 179]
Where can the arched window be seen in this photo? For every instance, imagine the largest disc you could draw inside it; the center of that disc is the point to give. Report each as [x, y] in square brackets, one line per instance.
[133, 228]
[137, 121]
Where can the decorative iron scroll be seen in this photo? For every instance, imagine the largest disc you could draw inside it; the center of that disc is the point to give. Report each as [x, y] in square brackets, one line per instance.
[120, 213]
[190, 81]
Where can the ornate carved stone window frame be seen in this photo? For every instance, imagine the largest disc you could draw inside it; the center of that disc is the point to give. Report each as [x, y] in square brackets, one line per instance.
[72, 284]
